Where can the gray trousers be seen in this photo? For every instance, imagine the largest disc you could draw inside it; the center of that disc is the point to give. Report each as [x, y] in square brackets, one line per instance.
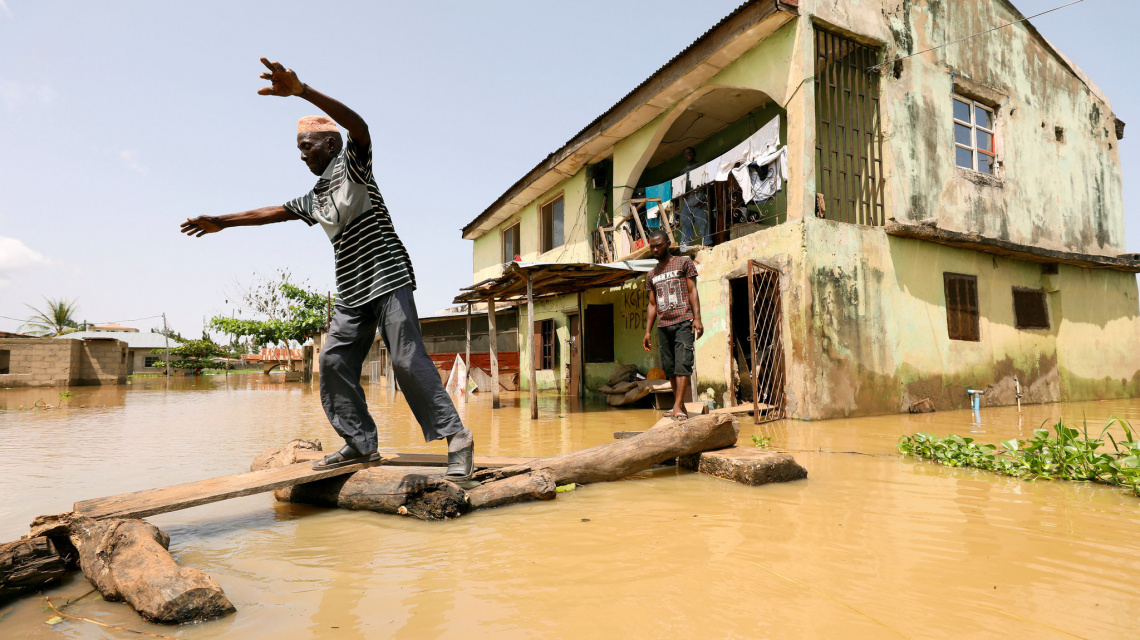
[342, 359]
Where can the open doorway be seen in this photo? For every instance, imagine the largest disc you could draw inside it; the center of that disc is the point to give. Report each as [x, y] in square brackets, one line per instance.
[757, 345]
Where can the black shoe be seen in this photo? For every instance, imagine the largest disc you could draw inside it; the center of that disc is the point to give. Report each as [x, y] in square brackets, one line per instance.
[460, 464]
[346, 456]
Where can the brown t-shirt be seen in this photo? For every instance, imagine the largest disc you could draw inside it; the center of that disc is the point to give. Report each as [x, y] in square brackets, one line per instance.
[670, 284]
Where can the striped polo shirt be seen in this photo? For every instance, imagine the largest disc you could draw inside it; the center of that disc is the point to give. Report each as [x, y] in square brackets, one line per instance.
[370, 259]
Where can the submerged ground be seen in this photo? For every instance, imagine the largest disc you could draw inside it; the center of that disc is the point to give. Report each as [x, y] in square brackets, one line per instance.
[869, 546]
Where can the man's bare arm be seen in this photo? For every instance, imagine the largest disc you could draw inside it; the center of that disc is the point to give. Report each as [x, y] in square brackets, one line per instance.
[650, 318]
[286, 83]
[695, 302]
[200, 226]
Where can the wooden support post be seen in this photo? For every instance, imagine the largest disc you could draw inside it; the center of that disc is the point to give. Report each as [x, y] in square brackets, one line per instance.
[166, 331]
[493, 339]
[581, 337]
[640, 228]
[533, 346]
[467, 359]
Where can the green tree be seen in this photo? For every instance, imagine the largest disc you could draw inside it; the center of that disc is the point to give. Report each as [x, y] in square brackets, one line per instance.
[193, 354]
[282, 312]
[57, 318]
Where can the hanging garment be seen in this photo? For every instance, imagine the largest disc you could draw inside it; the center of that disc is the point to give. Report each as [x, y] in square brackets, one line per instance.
[678, 185]
[663, 191]
[767, 175]
[697, 178]
[652, 220]
[765, 141]
[740, 154]
[744, 180]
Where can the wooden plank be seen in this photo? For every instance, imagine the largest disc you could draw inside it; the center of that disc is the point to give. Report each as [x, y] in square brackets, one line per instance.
[141, 504]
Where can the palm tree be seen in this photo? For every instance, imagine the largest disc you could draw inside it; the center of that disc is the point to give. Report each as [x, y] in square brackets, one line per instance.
[55, 319]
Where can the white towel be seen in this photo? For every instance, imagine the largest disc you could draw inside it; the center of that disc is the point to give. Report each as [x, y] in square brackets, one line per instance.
[679, 185]
[744, 180]
[739, 154]
[765, 141]
[697, 178]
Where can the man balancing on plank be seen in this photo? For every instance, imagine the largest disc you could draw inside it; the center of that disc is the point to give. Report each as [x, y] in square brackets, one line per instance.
[374, 282]
[675, 305]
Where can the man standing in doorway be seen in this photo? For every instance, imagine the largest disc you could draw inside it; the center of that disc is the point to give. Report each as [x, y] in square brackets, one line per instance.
[374, 282]
[676, 307]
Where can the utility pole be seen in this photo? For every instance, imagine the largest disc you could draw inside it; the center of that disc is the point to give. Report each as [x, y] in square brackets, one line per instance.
[166, 334]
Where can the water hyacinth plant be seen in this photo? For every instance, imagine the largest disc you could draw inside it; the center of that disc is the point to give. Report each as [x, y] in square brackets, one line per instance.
[1068, 455]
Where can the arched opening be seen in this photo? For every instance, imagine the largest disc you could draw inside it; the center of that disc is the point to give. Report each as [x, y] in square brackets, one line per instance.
[722, 127]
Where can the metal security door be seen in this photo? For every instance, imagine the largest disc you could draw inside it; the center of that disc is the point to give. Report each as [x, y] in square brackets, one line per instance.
[766, 340]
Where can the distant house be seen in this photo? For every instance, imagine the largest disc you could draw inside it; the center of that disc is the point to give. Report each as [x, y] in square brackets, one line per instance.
[140, 346]
[43, 362]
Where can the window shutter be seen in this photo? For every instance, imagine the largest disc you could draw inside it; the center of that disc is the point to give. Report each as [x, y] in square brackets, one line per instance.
[537, 355]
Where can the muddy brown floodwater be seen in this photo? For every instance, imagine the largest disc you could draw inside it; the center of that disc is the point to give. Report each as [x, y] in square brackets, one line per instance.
[868, 546]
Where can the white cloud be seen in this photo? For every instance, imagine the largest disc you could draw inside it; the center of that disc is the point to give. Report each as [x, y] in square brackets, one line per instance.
[14, 256]
[131, 158]
[4, 9]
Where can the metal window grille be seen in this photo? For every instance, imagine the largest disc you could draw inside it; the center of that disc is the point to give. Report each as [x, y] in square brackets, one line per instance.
[1030, 309]
[962, 322]
[766, 337]
[974, 132]
[849, 143]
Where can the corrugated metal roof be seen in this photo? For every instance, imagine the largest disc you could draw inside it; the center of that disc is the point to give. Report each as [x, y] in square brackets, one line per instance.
[134, 340]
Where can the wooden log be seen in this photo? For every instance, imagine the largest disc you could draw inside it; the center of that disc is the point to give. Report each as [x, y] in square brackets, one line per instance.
[420, 495]
[746, 465]
[277, 457]
[522, 488]
[621, 458]
[127, 560]
[29, 565]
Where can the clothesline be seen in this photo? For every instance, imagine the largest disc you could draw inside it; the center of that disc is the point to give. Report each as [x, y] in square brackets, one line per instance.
[743, 161]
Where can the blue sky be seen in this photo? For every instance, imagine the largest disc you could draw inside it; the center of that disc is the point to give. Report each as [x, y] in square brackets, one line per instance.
[118, 120]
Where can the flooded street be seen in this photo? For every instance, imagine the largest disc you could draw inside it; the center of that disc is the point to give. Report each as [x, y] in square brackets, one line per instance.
[869, 546]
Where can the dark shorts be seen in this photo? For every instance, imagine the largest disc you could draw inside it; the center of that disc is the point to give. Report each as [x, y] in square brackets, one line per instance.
[676, 342]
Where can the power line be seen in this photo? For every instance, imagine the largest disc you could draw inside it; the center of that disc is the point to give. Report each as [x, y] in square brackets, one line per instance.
[946, 44]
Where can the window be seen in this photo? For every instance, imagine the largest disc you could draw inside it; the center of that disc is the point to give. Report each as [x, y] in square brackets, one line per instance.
[5, 361]
[1030, 310]
[550, 224]
[544, 344]
[511, 249]
[848, 133]
[599, 333]
[150, 360]
[974, 136]
[962, 307]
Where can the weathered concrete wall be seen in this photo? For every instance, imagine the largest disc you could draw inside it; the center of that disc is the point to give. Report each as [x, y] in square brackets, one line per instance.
[36, 362]
[878, 337]
[1048, 193]
[101, 362]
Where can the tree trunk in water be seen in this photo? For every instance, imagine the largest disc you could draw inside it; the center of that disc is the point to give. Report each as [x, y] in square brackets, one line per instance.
[29, 565]
[386, 490]
[127, 560]
[523, 488]
[621, 458]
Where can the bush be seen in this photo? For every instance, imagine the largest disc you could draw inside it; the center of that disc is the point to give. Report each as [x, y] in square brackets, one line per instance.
[1068, 455]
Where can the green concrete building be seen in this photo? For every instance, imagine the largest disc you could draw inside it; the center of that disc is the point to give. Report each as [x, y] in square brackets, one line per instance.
[951, 220]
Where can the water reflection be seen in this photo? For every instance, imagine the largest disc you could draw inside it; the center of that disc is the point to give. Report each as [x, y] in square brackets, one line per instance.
[868, 545]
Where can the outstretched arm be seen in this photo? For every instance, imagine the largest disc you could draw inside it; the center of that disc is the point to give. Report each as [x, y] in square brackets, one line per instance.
[286, 83]
[200, 226]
